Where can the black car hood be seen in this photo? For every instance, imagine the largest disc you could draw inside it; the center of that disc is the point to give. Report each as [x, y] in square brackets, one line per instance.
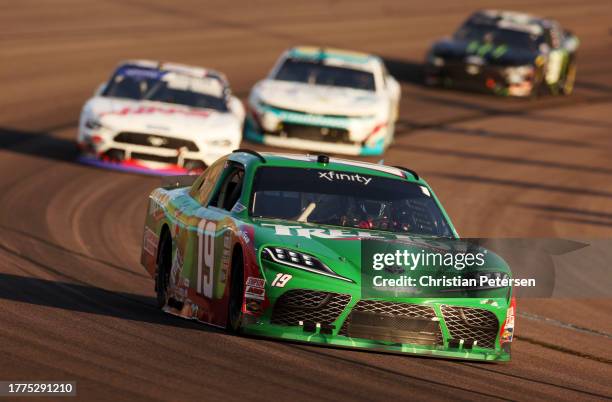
[502, 55]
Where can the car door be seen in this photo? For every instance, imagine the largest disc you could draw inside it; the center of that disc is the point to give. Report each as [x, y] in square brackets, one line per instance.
[190, 229]
[213, 237]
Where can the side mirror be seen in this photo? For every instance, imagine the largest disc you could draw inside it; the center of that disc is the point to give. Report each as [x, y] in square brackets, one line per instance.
[100, 89]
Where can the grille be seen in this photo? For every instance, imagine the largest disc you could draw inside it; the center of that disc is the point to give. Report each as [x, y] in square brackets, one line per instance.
[316, 133]
[154, 140]
[395, 322]
[471, 324]
[173, 160]
[308, 306]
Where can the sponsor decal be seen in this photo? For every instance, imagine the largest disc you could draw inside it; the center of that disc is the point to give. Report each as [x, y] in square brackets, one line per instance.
[313, 120]
[507, 332]
[195, 310]
[281, 280]
[177, 215]
[255, 288]
[227, 243]
[178, 284]
[335, 176]
[256, 282]
[244, 236]
[285, 230]
[156, 210]
[156, 141]
[367, 165]
[238, 208]
[206, 257]
[141, 73]
[254, 306]
[151, 240]
[143, 110]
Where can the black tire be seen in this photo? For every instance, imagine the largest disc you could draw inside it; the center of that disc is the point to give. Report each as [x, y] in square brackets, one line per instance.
[164, 266]
[234, 309]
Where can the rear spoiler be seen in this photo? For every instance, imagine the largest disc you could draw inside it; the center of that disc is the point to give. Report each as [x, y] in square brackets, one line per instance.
[178, 181]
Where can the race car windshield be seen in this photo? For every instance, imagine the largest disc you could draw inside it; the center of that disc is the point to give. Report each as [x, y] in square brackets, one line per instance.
[167, 92]
[317, 73]
[498, 36]
[352, 200]
[131, 83]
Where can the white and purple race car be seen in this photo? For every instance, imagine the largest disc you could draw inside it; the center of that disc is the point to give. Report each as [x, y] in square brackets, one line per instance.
[161, 117]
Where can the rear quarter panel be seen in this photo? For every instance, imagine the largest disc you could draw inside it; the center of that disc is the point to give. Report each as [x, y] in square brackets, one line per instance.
[155, 221]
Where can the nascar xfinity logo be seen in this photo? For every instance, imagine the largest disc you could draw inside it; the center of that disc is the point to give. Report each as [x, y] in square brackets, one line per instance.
[334, 176]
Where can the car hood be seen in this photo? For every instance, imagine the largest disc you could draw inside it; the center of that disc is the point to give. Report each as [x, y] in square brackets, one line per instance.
[163, 118]
[319, 99]
[341, 248]
[502, 55]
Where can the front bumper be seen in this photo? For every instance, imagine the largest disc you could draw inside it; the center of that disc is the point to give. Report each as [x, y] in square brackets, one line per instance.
[106, 148]
[327, 311]
[254, 133]
[486, 78]
[137, 166]
[436, 345]
[349, 135]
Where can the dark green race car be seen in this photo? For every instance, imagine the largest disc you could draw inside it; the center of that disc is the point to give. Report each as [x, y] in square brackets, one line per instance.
[327, 251]
[506, 53]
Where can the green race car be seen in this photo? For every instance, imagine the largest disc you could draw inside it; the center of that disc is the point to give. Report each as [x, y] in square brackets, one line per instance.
[327, 251]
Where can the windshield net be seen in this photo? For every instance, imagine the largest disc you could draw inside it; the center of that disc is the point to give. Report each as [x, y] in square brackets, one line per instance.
[346, 199]
[313, 72]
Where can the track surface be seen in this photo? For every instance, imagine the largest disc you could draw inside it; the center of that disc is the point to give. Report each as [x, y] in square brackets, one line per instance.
[76, 305]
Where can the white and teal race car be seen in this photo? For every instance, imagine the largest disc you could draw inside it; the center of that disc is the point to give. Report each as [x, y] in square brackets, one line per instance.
[326, 100]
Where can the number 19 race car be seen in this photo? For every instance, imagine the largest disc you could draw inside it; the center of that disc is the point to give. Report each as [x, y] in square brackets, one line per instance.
[322, 99]
[160, 117]
[506, 53]
[274, 245]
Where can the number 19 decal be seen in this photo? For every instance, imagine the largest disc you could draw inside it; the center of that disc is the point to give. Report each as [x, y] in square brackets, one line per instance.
[281, 280]
[206, 257]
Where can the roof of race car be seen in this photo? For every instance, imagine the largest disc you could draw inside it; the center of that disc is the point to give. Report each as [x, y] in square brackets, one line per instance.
[310, 161]
[184, 69]
[333, 54]
[512, 20]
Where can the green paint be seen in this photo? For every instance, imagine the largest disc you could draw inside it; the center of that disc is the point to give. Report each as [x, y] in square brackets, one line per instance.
[500, 51]
[183, 215]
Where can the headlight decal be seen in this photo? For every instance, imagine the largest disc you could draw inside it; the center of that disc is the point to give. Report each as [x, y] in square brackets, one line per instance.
[299, 260]
[93, 123]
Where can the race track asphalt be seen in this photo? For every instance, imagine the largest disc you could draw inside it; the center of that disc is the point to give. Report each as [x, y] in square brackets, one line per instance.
[75, 304]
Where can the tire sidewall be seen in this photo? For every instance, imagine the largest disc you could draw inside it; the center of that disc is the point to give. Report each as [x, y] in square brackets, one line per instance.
[234, 308]
[162, 276]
